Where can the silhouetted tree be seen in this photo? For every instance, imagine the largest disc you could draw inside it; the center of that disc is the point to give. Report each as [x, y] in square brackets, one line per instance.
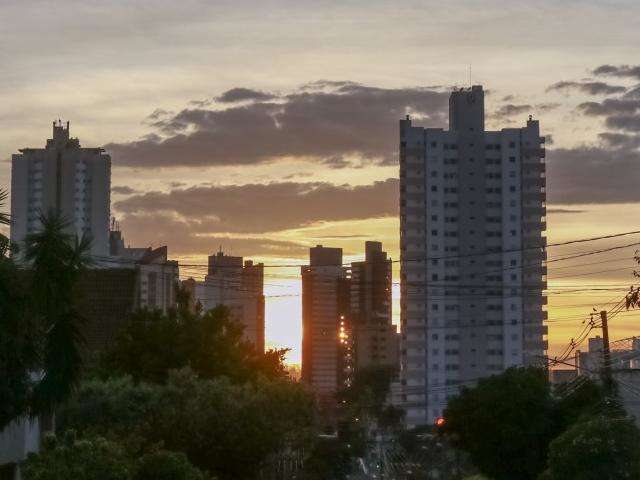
[19, 335]
[513, 416]
[211, 345]
[601, 448]
[57, 259]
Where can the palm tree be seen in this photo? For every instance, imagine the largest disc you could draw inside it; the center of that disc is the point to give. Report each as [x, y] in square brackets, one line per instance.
[19, 336]
[5, 219]
[57, 259]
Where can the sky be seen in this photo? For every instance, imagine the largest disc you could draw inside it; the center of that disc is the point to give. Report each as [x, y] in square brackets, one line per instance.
[265, 127]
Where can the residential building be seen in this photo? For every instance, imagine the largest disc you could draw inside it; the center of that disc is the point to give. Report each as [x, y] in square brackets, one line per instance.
[472, 217]
[63, 177]
[375, 338]
[326, 342]
[237, 284]
[157, 276]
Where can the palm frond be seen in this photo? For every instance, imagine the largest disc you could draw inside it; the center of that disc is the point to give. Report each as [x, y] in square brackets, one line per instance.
[5, 218]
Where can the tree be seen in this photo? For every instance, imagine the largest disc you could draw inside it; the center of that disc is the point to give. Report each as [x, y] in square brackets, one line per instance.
[88, 459]
[152, 344]
[603, 448]
[57, 260]
[223, 428]
[19, 335]
[513, 416]
[164, 465]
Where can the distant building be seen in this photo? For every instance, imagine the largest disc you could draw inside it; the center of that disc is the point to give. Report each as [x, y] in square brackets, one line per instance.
[237, 284]
[562, 375]
[472, 218]
[326, 346]
[20, 438]
[157, 276]
[66, 178]
[375, 338]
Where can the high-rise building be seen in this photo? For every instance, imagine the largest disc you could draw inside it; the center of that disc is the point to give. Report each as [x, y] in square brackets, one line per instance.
[239, 285]
[472, 215]
[325, 327]
[375, 338]
[66, 178]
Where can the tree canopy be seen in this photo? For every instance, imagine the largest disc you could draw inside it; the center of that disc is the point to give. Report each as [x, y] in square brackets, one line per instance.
[225, 429]
[601, 448]
[152, 344]
[507, 421]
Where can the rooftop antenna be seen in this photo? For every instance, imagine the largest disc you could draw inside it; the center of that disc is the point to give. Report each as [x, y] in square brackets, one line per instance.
[470, 76]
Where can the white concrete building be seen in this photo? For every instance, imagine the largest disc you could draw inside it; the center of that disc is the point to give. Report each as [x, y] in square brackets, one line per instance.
[67, 178]
[472, 214]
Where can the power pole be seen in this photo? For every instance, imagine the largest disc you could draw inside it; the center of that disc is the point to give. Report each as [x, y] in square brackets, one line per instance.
[607, 377]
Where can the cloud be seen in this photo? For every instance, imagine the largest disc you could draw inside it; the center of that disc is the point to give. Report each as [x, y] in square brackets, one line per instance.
[561, 211]
[629, 123]
[620, 140]
[609, 106]
[124, 190]
[162, 228]
[241, 94]
[593, 174]
[632, 71]
[590, 88]
[511, 110]
[322, 122]
[264, 208]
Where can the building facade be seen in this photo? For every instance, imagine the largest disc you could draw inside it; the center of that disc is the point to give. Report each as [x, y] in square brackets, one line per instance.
[375, 338]
[66, 178]
[472, 215]
[237, 284]
[157, 277]
[326, 339]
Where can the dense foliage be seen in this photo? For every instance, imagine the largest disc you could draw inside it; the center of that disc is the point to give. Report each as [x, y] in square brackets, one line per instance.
[90, 459]
[96, 458]
[210, 344]
[601, 448]
[40, 341]
[223, 428]
[514, 416]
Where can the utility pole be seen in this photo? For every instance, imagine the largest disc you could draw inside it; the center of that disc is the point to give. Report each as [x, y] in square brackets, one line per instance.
[607, 377]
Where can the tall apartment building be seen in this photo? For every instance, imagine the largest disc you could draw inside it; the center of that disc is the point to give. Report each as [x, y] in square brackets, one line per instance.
[325, 334]
[346, 318]
[375, 338]
[472, 215]
[64, 177]
[239, 285]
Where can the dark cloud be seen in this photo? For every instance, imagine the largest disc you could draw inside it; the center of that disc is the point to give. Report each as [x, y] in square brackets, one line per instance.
[323, 122]
[633, 93]
[629, 123]
[620, 140]
[609, 106]
[591, 88]
[632, 71]
[547, 107]
[597, 174]
[510, 110]
[262, 208]
[162, 228]
[243, 94]
[561, 211]
[508, 98]
[124, 190]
